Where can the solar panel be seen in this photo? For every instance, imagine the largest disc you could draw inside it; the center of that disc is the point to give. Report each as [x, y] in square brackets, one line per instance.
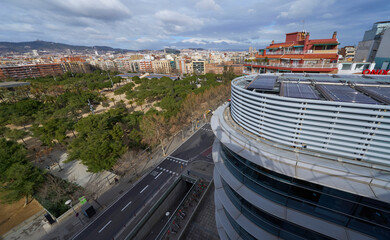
[380, 77]
[264, 82]
[347, 76]
[342, 93]
[380, 93]
[294, 80]
[297, 90]
[294, 74]
[312, 75]
[327, 79]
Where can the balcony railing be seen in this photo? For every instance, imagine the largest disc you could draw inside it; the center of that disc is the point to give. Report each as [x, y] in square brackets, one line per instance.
[301, 52]
[287, 65]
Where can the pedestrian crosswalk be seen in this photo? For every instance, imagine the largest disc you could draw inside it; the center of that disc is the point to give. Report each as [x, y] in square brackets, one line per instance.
[207, 129]
[168, 171]
[178, 160]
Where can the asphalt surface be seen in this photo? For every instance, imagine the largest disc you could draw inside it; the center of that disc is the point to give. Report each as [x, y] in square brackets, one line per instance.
[111, 222]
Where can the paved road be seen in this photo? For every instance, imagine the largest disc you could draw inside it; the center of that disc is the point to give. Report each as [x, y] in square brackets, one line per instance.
[112, 221]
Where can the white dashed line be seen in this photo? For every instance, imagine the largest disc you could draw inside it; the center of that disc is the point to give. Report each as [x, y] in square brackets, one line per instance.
[125, 206]
[144, 189]
[178, 159]
[104, 226]
[168, 171]
[158, 175]
[207, 129]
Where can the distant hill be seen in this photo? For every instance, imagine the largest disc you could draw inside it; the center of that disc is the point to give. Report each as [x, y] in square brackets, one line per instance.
[22, 47]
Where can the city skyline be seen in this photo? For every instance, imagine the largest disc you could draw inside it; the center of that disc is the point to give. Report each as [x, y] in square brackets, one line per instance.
[207, 24]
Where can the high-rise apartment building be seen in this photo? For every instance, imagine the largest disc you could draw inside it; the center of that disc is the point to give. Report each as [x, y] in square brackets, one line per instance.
[348, 53]
[145, 66]
[162, 66]
[303, 156]
[367, 49]
[382, 57]
[30, 71]
[198, 67]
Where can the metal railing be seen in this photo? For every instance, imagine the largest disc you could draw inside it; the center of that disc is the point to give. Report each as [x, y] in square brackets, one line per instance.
[146, 217]
[297, 65]
[343, 129]
[310, 51]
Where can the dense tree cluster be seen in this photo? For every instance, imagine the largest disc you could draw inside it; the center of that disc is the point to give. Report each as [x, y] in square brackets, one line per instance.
[101, 138]
[18, 177]
[92, 81]
[55, 106]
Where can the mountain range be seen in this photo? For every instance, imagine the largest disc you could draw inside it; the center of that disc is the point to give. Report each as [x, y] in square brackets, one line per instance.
[23, 47]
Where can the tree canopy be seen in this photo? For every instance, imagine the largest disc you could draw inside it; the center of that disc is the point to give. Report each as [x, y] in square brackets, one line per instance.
[19, 178]
[101, 138]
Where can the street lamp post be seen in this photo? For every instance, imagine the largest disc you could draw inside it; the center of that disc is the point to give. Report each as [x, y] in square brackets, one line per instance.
[69, 203]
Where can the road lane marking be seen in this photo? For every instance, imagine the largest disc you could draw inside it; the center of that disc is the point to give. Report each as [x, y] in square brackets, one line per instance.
[125, 206]
[144, 189]
[86, 227]
[158, 175]
[104, 226]
[178, 159]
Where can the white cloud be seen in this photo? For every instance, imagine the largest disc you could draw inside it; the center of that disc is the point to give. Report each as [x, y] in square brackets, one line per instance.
[225, 41]
[17, 27]
[91, 30]
[208, 5]
[196, 41]
[176, 22]
[97, 9]
[269, 31]
[146, 40]
[150, 24]
[327, 15]
[121, 39]
[303, 8]
[204, 41]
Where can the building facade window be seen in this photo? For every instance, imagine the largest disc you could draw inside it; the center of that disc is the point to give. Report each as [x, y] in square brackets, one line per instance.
[241, 231]
[359, 213]
[275, 226]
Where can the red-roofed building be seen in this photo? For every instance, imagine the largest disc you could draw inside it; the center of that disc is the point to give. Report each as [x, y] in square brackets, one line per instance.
[297, 54]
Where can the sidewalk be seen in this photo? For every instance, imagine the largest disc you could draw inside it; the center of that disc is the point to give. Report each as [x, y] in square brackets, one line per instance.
[69, 226]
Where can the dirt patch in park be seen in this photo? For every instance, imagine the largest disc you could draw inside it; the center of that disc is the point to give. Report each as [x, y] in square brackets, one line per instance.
[12, 215]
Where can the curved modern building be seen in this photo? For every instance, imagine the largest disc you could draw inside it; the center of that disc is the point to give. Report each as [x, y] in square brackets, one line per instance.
[301, 156]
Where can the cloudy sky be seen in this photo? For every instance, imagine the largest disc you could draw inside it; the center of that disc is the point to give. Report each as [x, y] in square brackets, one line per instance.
[210, 24]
